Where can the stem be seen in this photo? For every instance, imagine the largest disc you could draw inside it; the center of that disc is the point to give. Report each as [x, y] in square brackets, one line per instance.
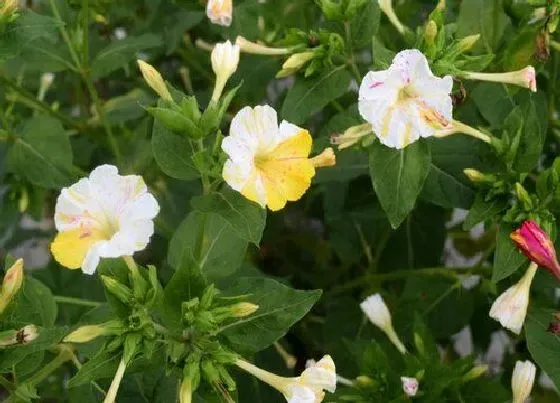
[33, 102]
[133, 267]
[352, 59]
[60, 299]
[78, 365]
[185, 394]
[451, 272]
[6, 384]
[64, 355]
[65, 36]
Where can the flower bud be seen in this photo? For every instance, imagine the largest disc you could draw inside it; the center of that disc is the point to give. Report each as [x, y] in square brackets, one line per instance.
[325, 159]
[467, 43]
[8, 338]
[225, 59]
[430, 32]
[186, 391]
[535, 243]
[154, 80]
[474, 175]
[122, 292]
[525, 78]
[475, 373]
[243, 309]
[220, 12]
[351, 136]
[87, 333]
[409, 385]
[294, 63]
[46, 81]
[523, 195]
[522, 380]
[510, 308]
[364, 381]
[8, 7]
[377, 312]
[258, 49]
[11, 284]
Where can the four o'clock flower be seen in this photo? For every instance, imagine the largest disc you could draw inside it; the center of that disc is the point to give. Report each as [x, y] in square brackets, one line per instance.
[220, 12]
[535, 243]
[377, 312]
[406, 101]
[525, 78]
[103, 215]
[268, 163]
[309, 387]
[522, 380]
[225, 58]
[154, 79]
[510, 308]
[409, 385]
[13, 279]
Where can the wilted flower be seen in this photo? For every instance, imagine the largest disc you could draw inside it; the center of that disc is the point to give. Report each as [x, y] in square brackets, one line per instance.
[409, 385]
[220, 12]
[377, 312]
[13, 279]
[522, 380]
[525, 78]
[535, 243]
[154, 80]
[104, 215]
[307, 388]
[267, 163]
[406, 101]
[225, 58]
[510, 308]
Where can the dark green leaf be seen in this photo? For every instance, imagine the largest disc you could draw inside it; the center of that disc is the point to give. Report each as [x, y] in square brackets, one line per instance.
[507, 258]
[543, 346]
[482, 210]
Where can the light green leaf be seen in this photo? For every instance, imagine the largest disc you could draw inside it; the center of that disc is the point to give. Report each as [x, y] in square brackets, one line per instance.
[245, 217]
[482, 210]
[120, 52]
[308, 96]
[365, 24]
[507, 258]
[398, 177]
[102, 365]
[173, 153]
[279, 308]
[206, 244]
[42, 153]
[534, 109]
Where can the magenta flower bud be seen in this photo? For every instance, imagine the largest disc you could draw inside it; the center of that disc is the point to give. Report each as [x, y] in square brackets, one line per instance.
[535, 243]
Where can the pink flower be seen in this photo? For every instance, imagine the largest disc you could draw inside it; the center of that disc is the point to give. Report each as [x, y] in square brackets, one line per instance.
[535, 243]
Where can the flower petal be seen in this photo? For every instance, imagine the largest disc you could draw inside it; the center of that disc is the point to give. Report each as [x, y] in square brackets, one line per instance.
[69, 248]
[257, 127]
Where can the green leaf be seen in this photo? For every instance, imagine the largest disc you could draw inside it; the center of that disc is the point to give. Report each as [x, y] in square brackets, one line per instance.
[176, 25]
[398, 177]
[207, 244]
[484, 17]
[43, 55]
[543, 346]
[120, 52]
[102, 365]
[245, 217]
[34, 303]
[279, 308]
[365, 24]
[173, 153]
[42, 153]
[507, 259]
[534, 109]
[493, 102]
[482, 210]
[309, 96]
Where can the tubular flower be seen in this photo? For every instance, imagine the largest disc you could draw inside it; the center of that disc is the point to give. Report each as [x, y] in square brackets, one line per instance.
[535, 243]
[522, 380]
[220, 12]
[307, 388]
[268, 163]
[377, 312]
[225, 59]
[104, 215]
[258, 49]
[526, 78]
[406, 101]
[409, 385]
[510, 308]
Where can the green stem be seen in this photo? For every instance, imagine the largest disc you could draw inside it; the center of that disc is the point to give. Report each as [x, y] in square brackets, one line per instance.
[6, 384]
[352, 59]
[33, 102]
[76, 301]
[64, 355]
[65, 36]
[451, 272]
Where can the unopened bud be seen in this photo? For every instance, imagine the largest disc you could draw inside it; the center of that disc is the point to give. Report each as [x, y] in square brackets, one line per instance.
[8, 337]
[220, 12]
[154, 80]
[475, 373]
[87, 333]
[258, 49]
[430, 32]
[476, 176]
[523, 195]
[525, 78]
[351, 136]
[326, 159]
[11, 284]
[225, 59]
[364, 381]
[243, 309]
[467, 43]
[294, 63]
[46, 81]
[122, 292]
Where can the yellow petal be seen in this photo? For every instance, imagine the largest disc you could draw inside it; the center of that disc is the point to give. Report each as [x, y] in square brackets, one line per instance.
[69, 248]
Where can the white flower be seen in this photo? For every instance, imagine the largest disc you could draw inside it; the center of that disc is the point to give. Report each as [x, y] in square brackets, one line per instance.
[225, 59]
[522, 380]
[309, 387]
[377, 312]
[268, 163]
[510, 308]
[409, 385]
[406, 101]
[104, 215]
[220, 12]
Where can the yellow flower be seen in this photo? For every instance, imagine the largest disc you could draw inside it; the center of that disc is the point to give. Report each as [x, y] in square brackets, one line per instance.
[268, 163]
